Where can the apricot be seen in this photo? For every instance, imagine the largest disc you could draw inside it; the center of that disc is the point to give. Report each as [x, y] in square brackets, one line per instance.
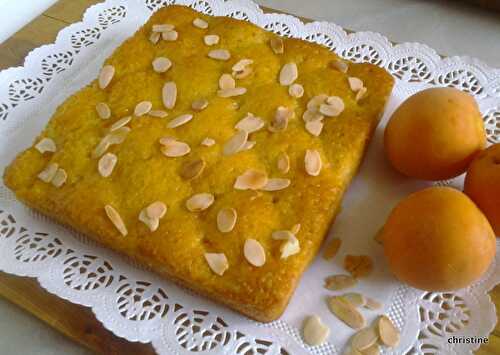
[482, 184]
[437, 239]
[435, 134]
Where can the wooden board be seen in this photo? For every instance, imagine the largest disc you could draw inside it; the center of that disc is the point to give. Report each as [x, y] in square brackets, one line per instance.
[78, 322]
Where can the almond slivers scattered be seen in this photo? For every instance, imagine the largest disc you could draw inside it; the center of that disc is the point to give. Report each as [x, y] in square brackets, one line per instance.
[315, 332]
[106, 75]
[254, 252]
[193, 169]
[332, 107]
[226, 81]
[199, 104]
[364, 338]
[217, 262]
[158, 113]
[241, 64]
[291, 246]
[356, 299]
[238, 91]
[277, 45]
[283, 163]
[332, 248]
[120, 123]
[226, 219]
[276, 184]
[339, 65]
[361, 93]
[143, 108]
[251, 180]
[180, 120]
[211, 40]
[173, 148]
[164, 27]
[219, 54]
[198, 22]
[200, 202]
[152, 214]
[314, 127]
[281, 118]
[389, 334]
[59, 178]
[161, 64]
[106, 164]
[208, 142]
[339, 282]
[46, 145]
[288, 74]
[169, 95]
[235, 143]
[103, 110]
[312, 162]
[346, 312]
[250, 123]
[170, 35]
[115, 218]
[47, 174]
[355, 84]
[296, 90]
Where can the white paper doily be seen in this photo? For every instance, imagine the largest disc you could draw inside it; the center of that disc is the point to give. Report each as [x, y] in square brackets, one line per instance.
[138, 305]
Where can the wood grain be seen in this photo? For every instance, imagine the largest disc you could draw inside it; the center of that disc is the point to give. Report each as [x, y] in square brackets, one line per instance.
[78, 322]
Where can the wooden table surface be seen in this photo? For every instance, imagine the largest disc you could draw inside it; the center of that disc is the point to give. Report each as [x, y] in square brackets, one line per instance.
[78, 322]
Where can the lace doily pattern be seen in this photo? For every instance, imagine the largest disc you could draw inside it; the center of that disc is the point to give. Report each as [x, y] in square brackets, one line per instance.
[139, 306]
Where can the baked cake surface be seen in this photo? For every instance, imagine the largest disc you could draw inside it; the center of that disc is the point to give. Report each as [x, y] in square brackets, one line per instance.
[143, 168]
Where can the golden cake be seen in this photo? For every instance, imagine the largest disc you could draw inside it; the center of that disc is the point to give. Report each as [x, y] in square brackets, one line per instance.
[210, 150]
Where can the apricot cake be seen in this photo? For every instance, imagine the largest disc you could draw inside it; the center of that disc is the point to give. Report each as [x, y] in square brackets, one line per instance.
[210, 150]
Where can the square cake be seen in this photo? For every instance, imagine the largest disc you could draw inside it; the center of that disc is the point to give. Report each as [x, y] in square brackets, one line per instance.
[210, 150]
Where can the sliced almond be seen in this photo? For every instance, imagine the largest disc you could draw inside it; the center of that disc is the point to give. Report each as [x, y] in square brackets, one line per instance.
[158, 113]
[143, 108]
[120, 123]
[154, 37]
[59, 178]
[169, 95]
[361, 93]
[389, 334]
[316, 101]
[118, 135]
[235, 143]
[115, 218]
[208, 142]
[219, 54]
[356, 299]
[249, 145]
[346, 312]
[242, 64]
[282, 235]
[251, 180]
[358, 265]
[339, 282]
[250, 123]
[151, 223]
[372, 350]
[364, 338]
[106, 164]
[355, 84]
[180, 120]
[291, 246]
[46, 145]
[242, 73]
[170, 35]
[106, 75]
[339, 65]
[47, 174]
[101, 148]
[296, 90]
[164, 27]
[226, 219]
[199, 105]
[217, 262]
[314, 127]
[312, 162]
[211, 40]
[254, 252]
[276, 184]
[193, 169]
[161, 64]
[103, 110]
[238, 91]
[281, 118]
[226, 81]
[312, 115]
[283, 163]
[315, 332]
[332, 248]
[277, 45]
[372, 304]
[156, 210]
[173, 148]
[198, 22]
[331, 110]
[288, 74]
[199, 202]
